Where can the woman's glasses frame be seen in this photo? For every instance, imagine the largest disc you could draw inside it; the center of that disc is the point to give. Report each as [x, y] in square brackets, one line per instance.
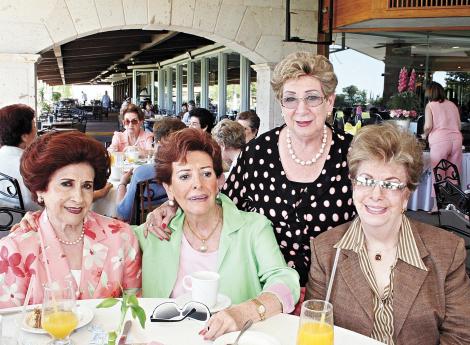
[191, 310]
[363, 181]
[135, 122]
[311, 101]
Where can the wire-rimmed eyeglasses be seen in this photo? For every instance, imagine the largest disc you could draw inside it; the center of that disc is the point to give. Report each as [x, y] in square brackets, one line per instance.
[363, 181]
[170, 312]
[291, 102]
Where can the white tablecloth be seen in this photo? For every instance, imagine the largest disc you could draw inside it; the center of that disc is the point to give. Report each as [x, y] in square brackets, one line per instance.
[282, 327]
[107, 205]
[421, 198]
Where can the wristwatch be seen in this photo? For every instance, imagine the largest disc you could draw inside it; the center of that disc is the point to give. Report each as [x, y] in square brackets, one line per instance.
[260, 308]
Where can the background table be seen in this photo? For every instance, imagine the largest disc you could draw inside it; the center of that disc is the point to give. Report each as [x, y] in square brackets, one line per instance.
[421, 198]
[107, 206]
[282, 327]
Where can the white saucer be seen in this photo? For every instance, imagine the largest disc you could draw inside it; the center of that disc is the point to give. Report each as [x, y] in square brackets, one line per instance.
[223, 301]
[248, 338]
[85, 315]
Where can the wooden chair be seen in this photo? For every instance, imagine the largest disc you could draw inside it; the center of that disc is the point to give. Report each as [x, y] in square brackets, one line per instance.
[8, 217]
[146, 200]
[10, 190]
[446, 170]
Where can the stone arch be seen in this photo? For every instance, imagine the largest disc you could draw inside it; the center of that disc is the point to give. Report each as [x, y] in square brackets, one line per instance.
[253, 28]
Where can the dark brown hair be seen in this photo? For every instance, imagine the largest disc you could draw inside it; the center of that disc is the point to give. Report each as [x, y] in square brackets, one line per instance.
[132, 108]
[53, 151]
[206, 119]
[176, 146]
[15, 120]
[165, 126]
[251, 117]
[435, 92]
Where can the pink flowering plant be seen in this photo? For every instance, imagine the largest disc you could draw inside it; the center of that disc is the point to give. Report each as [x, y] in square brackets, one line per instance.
[405, 103]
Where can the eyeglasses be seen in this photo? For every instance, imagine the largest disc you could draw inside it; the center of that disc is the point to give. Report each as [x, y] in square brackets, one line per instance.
[133, 121]
[385, 185]
[170, 312]
[293, 102]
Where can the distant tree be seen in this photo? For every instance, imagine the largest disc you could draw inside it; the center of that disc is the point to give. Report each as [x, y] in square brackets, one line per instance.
[340, 101]
[462, 80]
[350, 92]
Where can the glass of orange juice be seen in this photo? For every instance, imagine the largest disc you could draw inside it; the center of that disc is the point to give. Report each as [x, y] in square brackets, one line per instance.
[316, 323]
[59, 317]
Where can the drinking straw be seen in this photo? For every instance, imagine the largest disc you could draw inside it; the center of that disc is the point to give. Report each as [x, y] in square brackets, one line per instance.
[330, 285]
[28, 294]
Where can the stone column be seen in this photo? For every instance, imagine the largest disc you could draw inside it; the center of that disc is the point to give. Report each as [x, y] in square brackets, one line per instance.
[244, 83]
[18, 79]
[267, 106]
[222, 85]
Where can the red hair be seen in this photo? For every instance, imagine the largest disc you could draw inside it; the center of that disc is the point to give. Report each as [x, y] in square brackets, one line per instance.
[53, 151]
[176, 146]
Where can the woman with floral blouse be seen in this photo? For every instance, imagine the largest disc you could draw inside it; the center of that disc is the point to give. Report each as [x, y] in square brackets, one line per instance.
[99, 255]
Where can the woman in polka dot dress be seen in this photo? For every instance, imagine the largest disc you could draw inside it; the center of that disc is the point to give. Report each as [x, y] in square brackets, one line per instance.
[296, 174]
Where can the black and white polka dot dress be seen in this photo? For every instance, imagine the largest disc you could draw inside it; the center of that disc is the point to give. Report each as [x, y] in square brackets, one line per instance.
[297, 210]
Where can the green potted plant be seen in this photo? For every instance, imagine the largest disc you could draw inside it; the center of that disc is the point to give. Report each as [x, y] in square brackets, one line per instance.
[128, 301]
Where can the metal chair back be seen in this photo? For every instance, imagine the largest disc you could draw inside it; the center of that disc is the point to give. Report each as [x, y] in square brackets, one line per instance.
[8, 217]
[446, 170]
[10, 190]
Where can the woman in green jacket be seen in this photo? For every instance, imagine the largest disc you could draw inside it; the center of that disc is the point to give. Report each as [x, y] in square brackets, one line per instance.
[211, 234]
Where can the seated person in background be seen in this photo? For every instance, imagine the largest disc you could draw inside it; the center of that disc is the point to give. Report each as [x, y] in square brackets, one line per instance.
[134, 135]
[191, 106]
[127, 187]
[398, 281]
[100, 255]
[230, 136]
[201, 118]
[148, 109]
[17, 131]
[210, 233]
[250, 121]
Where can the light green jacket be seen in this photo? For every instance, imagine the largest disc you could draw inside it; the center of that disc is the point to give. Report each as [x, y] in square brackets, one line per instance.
[249, 258]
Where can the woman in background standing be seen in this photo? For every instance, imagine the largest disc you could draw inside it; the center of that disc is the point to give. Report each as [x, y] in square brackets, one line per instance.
[442, 128]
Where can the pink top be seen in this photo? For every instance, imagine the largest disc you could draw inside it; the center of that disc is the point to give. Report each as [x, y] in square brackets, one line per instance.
[445, 122]
[192, 260]
[111, 261]
[121, 141]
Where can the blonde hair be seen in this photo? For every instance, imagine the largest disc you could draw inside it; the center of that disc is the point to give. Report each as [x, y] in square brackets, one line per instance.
[390, 144]
[229, 133]
[299, 64]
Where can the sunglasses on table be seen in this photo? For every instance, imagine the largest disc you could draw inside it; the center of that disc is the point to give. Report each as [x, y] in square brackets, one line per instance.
[133, 121]
[170, 312]
[363, 181]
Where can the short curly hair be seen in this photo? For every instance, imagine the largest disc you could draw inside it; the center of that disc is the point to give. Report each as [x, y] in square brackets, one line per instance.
[165, 126]
[15, 120]
[53, 151]
[229, 133]
[132, 108]
[390, 144]
[175, 147]
[300, 64]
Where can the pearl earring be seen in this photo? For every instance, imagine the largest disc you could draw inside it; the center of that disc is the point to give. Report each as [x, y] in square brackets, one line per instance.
[171, 203]
[40, 199]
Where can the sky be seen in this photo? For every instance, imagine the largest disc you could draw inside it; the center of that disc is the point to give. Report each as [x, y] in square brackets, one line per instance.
[354, 68]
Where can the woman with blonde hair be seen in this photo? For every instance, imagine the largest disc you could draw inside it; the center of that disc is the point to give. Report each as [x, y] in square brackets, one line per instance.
[398, 281]
[230, 136]
[295, 174]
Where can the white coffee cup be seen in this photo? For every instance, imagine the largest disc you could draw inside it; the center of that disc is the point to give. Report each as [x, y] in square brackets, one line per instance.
[204, 287]
[116, 173]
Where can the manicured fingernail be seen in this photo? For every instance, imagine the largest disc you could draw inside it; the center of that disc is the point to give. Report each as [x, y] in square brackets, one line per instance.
[163, 225]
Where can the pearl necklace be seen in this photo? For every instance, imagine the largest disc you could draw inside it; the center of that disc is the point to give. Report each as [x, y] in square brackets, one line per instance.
[203, 248]
[315, 158]
[72, 243]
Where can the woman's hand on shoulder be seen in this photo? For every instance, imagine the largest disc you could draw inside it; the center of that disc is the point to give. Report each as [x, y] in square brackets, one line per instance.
[158, 220]
[29, 222]
[228, 320]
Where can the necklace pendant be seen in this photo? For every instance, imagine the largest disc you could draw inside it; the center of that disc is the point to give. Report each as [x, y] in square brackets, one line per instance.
[378, 256]
[203, 247]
